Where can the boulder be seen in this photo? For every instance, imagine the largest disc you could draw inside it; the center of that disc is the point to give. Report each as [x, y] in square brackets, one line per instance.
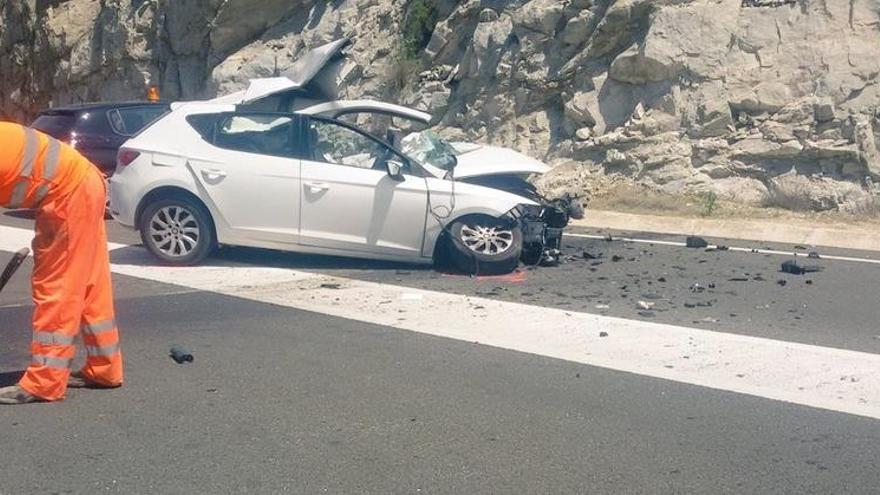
[634, 66]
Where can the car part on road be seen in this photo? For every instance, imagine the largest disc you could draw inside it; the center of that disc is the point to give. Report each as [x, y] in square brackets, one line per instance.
[792, 267]
[13, 266]
[483, 245]
[696, 242]
[177, 230]
[181, 355]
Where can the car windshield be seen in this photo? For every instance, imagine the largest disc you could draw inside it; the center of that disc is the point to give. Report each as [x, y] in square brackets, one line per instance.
[427, 147]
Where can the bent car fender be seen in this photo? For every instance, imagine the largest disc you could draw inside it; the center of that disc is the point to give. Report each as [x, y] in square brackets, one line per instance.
[450, 201]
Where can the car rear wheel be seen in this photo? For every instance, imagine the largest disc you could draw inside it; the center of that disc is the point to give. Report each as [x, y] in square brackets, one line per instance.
[177, 230]
[484, 245]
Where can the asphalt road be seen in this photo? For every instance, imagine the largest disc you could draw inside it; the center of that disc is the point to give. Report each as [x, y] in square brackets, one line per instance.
[280, 399]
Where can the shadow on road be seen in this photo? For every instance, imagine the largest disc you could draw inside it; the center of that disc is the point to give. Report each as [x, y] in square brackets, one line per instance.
[8, 378]
[22, 214]
[230, 256]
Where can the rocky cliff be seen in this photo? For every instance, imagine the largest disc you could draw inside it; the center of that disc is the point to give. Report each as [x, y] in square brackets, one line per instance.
[761, 101]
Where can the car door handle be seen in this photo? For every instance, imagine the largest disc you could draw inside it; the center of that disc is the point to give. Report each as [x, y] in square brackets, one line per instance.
[213, 174]
[317, 187]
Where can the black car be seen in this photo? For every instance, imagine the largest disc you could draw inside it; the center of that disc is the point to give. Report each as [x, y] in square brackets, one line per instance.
[97, 130]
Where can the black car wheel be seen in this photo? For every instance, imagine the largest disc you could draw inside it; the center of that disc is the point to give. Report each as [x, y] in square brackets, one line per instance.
[484, 245]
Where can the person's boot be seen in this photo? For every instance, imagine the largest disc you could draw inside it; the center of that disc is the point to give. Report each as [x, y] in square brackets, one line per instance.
[78, 380]
[17, 395]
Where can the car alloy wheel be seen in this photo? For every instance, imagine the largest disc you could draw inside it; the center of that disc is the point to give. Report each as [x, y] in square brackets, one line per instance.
[175, 231]
[486, 239]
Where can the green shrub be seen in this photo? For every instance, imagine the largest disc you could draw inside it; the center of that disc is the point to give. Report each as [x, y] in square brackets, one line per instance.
[419, 21]
[708, 203]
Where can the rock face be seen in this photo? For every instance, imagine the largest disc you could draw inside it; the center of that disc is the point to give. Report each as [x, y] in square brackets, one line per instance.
[760, 101]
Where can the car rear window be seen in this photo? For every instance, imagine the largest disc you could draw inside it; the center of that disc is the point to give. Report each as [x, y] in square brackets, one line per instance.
[58, 125]
[131, 120]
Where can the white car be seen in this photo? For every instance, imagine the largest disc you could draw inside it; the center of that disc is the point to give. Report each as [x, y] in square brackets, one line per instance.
[227, 172]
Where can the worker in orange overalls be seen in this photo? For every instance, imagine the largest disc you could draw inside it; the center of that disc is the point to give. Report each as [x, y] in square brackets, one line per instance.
[71, 278]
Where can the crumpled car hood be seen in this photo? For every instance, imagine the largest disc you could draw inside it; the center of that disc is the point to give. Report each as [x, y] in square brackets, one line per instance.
[478, 160]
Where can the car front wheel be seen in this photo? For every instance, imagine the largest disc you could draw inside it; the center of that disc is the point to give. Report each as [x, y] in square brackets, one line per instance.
[177, 230]
[484, 245]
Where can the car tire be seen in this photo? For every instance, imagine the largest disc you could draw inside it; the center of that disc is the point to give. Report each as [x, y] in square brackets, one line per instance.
[177, 230]
[482, 245]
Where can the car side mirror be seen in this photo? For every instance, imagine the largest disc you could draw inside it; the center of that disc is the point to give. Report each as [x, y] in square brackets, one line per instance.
[395, 169]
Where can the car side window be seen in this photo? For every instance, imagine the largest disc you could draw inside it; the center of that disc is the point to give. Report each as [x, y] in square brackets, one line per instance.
[333, 143]
[129, 121]
[263, 134]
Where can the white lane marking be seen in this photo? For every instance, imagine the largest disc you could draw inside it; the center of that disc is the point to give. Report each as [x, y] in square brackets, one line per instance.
[731, 248]
[15, 238]
[827, 378]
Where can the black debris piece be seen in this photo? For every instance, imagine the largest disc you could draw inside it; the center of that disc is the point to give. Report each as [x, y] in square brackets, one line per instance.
[589, 256]
[181, 355]
[647, 314]
[712, 285]
[616, 258]
[550, 258]
[696, 242]
[738, 279]
[603, 334]
[690, 304]
[800, 248]
[758, 278]
[661, 279]
[754, 250]
[813, 255]
[330, 286]
[781, 282]
[791, 266]
[722, 248]
[706, 304]
[697, 288]
[809, 282]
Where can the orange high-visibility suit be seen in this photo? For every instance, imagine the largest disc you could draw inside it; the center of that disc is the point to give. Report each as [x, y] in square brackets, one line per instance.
[71, 278]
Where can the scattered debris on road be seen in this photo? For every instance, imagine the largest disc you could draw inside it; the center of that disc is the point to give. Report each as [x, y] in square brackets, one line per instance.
[590, 256]
[814, 255]
[181, 355]
[603, 334]
[792, 267]
[331, 286]
[781, 282]
[696, 242]
[644, 305]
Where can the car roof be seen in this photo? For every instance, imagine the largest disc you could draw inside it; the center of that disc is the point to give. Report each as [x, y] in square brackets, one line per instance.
[82, 107]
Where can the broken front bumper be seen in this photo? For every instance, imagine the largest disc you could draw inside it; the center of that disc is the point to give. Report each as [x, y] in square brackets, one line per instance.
[542, 228]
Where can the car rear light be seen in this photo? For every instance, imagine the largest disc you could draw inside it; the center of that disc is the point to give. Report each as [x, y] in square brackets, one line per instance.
[125, 157]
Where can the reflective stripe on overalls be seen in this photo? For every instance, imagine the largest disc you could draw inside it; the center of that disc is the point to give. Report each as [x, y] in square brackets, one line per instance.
[28, 175]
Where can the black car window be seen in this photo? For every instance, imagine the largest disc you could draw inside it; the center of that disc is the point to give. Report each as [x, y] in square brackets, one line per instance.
[266, 134]
[332, 142]
[93, 123]
[130, 120]
[58, 125]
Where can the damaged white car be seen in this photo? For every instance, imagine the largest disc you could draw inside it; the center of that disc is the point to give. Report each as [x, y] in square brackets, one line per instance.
[278, 166]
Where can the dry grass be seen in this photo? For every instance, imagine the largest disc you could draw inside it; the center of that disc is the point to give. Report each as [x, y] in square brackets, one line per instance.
[629, 198]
